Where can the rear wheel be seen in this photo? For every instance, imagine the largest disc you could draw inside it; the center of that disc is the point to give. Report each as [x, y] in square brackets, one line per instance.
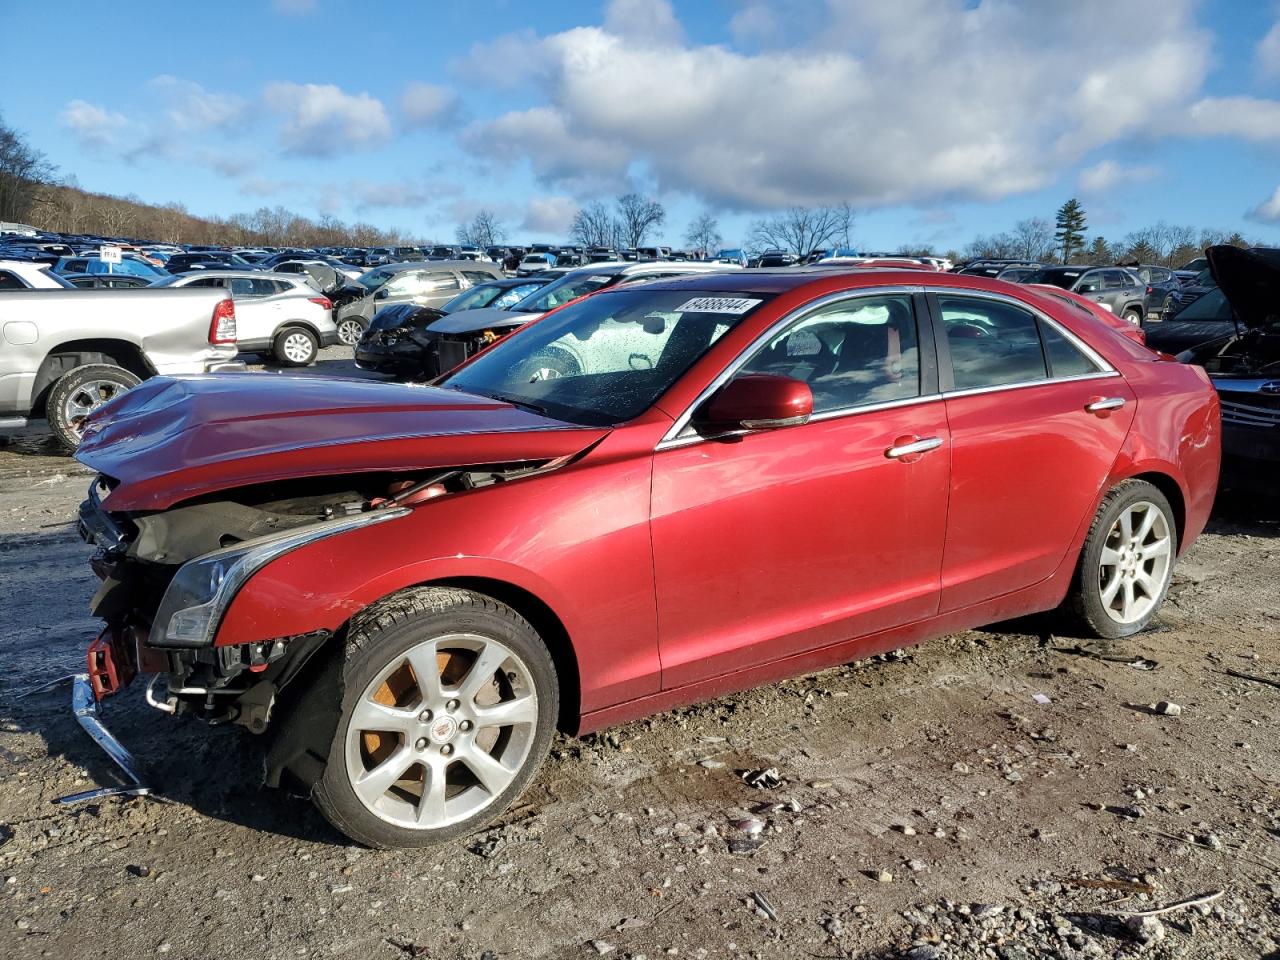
[1134, 316]
[450, 701]
[1127, 562]
[79, 392]
[295, 347]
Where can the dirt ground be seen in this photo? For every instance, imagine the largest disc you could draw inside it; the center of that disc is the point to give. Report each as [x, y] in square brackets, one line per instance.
[1000, 793]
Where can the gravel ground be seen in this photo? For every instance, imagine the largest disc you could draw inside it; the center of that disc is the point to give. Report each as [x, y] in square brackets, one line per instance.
[1002, 793]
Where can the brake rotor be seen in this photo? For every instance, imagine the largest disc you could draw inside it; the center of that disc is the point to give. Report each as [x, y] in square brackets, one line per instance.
[399, 690]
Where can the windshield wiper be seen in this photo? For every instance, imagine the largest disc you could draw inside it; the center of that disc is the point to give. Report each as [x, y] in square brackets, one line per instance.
[517, 402]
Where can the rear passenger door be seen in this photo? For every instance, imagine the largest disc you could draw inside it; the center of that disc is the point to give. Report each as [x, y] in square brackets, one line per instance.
[1028, 456]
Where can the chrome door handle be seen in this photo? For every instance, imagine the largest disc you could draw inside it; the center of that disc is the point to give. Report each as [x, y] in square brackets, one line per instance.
[917, 446]
[1107, 403]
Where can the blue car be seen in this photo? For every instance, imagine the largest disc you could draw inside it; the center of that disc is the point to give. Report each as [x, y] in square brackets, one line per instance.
[130, 264]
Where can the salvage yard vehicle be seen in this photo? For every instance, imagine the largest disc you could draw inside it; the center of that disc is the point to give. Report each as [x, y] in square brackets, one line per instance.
[69, 351]
[425, 283]
[1243, 361]
[1113, 288]
[278, 315]
[749, 475]
[417, 345]
[29, 275]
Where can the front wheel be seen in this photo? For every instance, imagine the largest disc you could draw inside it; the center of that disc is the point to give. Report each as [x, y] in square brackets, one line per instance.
[350, 331]
[295, 347]
[1134, 316]
[1127, 562]
[450, 702]
[79, 392]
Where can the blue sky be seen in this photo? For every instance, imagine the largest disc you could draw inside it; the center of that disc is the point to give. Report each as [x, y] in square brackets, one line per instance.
[937, 120]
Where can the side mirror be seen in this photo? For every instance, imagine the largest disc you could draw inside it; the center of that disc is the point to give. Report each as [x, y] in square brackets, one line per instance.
[755, 401]
[1089, 288]
[381, 294]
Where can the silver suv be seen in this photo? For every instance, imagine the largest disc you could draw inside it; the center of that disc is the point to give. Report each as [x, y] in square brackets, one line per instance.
[424, 283]
[276, 314]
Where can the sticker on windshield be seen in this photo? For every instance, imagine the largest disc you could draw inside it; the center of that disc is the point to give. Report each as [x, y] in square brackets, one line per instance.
[718, 305]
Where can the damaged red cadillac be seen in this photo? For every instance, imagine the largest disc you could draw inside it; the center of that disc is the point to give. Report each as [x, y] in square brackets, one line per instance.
[654, 495]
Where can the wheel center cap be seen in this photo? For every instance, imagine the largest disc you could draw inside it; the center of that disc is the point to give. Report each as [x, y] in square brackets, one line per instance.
[442, 729]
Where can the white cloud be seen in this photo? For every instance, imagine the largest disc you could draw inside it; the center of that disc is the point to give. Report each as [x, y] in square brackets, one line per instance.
[643, 21]
[549, 215]
[1106, 174]
[1268, 211]
[1267, 54]
[323, 120]
[916, 102]
[95, 127]
[756, 22]
[193, 108]
[428, 105]
[1247, 117]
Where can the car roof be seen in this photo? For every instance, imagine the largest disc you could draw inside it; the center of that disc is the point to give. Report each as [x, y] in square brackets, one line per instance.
[246, 275]
[436, 265]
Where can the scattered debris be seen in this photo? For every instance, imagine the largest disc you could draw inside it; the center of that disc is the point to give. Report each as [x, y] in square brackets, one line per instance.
[1138, 663]
[767, 779]
[601, 946]
[1256, 679]
[1168, 709]
[1041, 698]
[765, 906]
[1126, 886]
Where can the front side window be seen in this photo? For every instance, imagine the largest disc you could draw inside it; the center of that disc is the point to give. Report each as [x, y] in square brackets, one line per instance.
[850, 353]
[991, 343]
[605, 359]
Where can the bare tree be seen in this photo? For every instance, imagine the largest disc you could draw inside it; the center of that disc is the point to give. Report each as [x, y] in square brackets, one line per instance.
[593, 226]
[637, 216]
[844, 225]
[484, 230]
[23, 172]
[801, 230]
[703, 235]
[1033, 239]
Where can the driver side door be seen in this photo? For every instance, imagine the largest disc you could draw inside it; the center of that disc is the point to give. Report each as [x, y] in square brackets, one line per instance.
[784, 541]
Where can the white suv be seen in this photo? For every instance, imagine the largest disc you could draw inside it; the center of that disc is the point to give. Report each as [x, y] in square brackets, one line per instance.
[276, 314]
[25, 275]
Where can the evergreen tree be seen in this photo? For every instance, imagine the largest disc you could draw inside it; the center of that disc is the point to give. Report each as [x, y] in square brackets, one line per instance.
[1070, 232]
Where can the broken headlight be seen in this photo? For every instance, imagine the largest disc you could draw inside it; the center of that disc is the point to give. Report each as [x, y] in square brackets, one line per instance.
[203, 588]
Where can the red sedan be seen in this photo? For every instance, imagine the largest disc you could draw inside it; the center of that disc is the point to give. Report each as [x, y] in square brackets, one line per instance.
[652, 496]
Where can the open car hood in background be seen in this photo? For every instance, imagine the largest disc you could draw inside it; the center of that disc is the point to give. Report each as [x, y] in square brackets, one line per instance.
[1250, 280]
[171, 439]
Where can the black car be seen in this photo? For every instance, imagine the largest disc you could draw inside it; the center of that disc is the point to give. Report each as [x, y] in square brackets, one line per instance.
[106, 281]
[1190, 291]
[1208, 318]
[1163, 286]
[207, 260]
[777, 258]
[397, 343]
[995, 267]
[1244, 365]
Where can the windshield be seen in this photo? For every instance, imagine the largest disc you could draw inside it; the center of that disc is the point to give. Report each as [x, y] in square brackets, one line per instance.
[1054, 278]
[373, 280]
[605, 359]
[569, 287]
[1212, 306]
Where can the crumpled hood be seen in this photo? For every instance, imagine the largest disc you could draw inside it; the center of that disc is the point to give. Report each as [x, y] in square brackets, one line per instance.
[171, 439]
[1250, 280]
[482, 318]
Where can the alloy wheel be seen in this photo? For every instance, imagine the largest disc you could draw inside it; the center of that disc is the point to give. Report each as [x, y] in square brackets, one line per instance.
[441, 731]
[87, 398]
[350, 331]
[1136, 560]
[298, 348]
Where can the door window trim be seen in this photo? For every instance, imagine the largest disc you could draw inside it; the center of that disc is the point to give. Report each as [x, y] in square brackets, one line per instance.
[945, 374]
[675, 437]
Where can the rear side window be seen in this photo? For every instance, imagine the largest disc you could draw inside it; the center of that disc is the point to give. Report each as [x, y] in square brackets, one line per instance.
[991, 343]
[1065, 359]
[10, 282]
[475, 276]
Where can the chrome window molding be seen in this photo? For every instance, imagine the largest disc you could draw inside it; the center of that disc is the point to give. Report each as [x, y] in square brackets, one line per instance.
[675, 436]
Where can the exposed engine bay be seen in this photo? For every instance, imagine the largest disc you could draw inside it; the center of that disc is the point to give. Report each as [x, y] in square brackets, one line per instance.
[142, 559]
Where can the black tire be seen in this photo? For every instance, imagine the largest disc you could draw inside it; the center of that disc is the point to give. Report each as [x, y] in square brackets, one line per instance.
[1134, 316]
[548, 364]
[385, 633]
[78, 392]
[297, 340]
[1084, 601]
